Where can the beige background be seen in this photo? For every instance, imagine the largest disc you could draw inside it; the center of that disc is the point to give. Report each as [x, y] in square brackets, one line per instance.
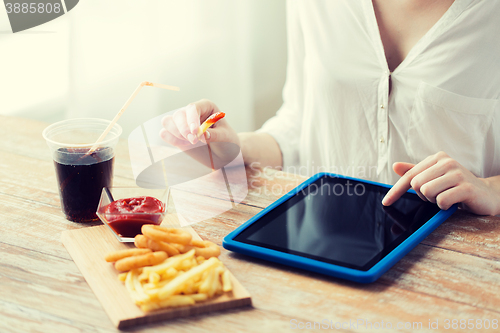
[87, 62]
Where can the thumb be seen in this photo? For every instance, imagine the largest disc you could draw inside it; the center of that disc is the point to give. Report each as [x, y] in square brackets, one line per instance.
[216, 134]
[402, 167]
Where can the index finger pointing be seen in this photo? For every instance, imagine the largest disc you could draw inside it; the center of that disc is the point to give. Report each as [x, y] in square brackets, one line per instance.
[404, 183]
[400, 188]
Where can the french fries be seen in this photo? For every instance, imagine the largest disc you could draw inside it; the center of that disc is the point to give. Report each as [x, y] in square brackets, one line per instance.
[117, 255]
[158, 277]
[133, 262]
[179, 281]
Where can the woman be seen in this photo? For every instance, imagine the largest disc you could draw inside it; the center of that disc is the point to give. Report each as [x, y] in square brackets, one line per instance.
[371, 84]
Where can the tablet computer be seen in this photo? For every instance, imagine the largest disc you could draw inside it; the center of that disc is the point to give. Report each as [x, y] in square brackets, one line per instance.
[337, 225]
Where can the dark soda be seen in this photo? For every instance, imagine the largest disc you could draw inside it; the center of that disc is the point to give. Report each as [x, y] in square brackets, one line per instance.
[81, 179]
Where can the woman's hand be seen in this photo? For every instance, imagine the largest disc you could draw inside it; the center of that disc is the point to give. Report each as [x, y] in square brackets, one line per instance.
[442, 180]
[181, 128]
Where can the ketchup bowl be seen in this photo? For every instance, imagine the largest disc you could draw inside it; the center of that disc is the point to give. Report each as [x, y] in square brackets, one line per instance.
[124, 210]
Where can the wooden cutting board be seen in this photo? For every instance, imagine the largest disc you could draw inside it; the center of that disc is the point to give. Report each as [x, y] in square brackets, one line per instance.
[88, 246]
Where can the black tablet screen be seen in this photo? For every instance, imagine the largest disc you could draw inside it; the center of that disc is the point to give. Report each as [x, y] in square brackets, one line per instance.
[339, 221]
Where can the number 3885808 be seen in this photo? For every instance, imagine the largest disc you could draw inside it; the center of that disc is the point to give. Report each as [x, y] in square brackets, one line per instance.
[33, 7]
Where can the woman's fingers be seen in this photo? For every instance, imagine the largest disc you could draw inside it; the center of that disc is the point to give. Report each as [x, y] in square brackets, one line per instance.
[184, 123]
[172, 139]
[443, 180]
[424, 181]
[404, 183]
[181, 128]
[447, 198]
[168, 124]
[192, 118]
[170, 133]
[446, 173]
[180, 120]
[205, 108]
[218, 132]
[438, 179]
[435, 187]
[402, 167]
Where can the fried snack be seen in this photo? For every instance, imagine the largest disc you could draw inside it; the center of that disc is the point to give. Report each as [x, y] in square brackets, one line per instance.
[209, 122]
[182, 248]
[149, 259]
[169, 235]
[153, 234]
[191, 274]
[163, 268]
[176, 284]
[181, 280]
[226, 282]
[117, 255]
[206, 249]
[142, 241]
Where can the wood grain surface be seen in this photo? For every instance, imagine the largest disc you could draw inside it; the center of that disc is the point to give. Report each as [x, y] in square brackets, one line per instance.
[454, 274]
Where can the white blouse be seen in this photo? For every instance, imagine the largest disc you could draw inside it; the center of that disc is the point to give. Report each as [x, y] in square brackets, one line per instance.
[338, 115]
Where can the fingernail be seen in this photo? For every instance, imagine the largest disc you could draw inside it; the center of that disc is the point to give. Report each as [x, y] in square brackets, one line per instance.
[193, 128]
[384, 201]
[190, 137]
[207, 134]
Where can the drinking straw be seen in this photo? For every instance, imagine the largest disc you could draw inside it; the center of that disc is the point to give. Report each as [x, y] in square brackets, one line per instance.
[124, 107]
[108, 192]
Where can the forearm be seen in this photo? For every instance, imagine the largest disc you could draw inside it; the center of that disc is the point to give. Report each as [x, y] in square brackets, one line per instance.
[260, 148]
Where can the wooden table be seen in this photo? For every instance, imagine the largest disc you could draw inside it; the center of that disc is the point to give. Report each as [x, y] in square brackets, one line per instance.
[453, 274]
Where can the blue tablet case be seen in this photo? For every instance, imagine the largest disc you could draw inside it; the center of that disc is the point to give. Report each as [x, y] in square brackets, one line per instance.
[326, 268]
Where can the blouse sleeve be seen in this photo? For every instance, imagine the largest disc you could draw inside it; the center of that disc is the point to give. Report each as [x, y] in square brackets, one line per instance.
[285, 126]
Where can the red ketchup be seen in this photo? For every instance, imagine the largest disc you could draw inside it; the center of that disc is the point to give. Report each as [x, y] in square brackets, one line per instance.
[136, 212]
